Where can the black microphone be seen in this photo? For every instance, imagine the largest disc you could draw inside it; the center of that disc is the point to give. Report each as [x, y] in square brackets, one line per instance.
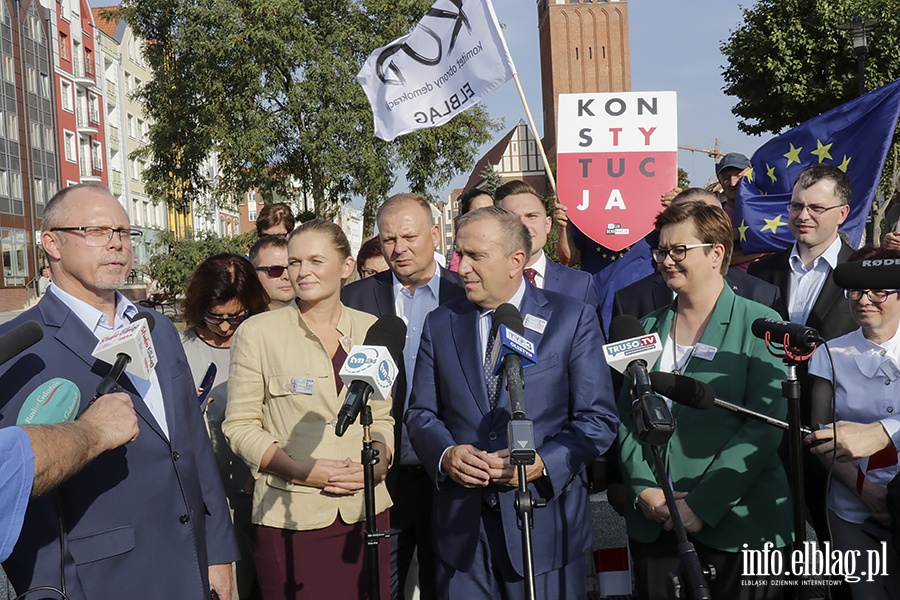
[19, 338]
[509, 315]
[878, 274]
[652, 417]
[110, 383]
[798, 337]
[365, 369]
[687, 391]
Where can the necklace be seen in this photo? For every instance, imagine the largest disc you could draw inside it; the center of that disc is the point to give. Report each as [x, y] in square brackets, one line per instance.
[678, 369]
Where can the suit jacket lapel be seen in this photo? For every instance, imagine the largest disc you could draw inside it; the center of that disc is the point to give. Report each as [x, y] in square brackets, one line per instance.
[464, 329]
[781, 277]
[830, 293]
[534, 303]
[384, 293]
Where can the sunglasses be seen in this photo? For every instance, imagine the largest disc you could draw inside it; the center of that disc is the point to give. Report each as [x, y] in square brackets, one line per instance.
[273, 272]
[214, 319]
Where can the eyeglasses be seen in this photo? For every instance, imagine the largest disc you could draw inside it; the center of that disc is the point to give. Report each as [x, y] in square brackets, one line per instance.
[813, 209]
[273, 272]
[874, 296]
[214, 319]
[676, 252]
[100, 236]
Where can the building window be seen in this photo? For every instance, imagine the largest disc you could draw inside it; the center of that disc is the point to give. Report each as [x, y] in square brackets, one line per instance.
[15, 185]
[65, 90]
[97, 155]
[31, 76]
[12, 127]
[63, 46]
[39, 191]
[9, 69]
[251, 215]
[49, 142]
[129, 85]
[45, 85]
[131, 129]
[15, 266]
[4, 183]
[71, 152]
[94, 109]
[36, 135]
[142, 128]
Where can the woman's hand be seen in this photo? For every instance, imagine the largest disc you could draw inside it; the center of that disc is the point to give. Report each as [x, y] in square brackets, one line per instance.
[340, 477]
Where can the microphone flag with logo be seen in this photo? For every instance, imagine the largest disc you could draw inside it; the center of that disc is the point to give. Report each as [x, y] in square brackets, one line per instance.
[451, 60]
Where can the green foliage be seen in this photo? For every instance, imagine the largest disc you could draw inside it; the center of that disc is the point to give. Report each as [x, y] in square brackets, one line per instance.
[492, 179]
[684, 180]
[788, 61]
[271, 85]
[174, 268]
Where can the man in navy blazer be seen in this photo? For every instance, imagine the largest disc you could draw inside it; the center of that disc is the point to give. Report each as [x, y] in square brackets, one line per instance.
[522, 200]
[147, 520]
[413, 286]
[461, 438]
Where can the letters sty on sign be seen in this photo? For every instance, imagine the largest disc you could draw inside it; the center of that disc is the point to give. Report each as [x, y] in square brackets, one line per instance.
[617, 153]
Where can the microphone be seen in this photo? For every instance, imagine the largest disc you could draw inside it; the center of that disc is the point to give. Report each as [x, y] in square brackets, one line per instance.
[371, 369]
[53, 401]
[801, 338]
[878, 274]
[630, 353]
[698, 394]
[19, 338]
[127, 349]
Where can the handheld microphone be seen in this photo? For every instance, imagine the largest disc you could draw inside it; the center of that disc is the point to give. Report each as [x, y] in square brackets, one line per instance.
[878, 274]
[697, 394]
[630, 352]
[511, 352]
[18, 339]
[127, 349]
[53, 401]
[371, 369]
[801, 338]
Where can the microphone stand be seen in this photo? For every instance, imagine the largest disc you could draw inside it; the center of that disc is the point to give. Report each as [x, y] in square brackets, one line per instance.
[655, 426]
[520, 436]
[369, 459]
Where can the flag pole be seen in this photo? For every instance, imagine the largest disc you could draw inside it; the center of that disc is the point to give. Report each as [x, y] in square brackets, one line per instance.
[535, 133]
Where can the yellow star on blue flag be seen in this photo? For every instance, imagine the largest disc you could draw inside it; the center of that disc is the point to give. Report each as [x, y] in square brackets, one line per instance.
[859, 132]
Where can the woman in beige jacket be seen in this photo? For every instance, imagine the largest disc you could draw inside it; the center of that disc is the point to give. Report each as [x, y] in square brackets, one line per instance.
[284, 394]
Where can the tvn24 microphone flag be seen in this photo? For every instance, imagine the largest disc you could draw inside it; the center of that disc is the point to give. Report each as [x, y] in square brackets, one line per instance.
[854, 137]
[452, 58]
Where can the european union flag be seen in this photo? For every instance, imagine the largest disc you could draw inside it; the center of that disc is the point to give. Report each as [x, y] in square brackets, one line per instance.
[855, 137]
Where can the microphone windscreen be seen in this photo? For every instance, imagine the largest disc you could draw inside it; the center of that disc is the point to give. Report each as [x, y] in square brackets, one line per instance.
[54, 401]
[683, 390]
[388, 331]
[625, 327]
[509, 315]
[868, 275]
[147, 316]
[18, 339]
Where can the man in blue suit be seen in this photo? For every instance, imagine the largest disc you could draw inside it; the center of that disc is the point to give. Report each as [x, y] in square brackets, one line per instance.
[413, 286]
[460, 434]
[522, 200]
[148, 520]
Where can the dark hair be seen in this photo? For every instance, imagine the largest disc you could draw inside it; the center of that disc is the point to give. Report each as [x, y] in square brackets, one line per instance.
[54, 205]
[266, 241]
[872, 252]
[517, 236]
[370, 249]
[815, 173]
[465, 199]
[220, 279]
[512, 188]
[711, 224]
[328, 228]
[272, 215]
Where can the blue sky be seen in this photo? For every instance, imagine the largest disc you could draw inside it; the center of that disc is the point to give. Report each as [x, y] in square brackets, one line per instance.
[674, 46]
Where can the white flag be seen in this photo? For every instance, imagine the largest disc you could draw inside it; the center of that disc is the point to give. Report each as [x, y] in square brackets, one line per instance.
[453, 57]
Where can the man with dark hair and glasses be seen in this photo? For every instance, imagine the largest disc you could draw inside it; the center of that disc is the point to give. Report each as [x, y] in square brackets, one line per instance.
[269, 257]
[147, 522]
[820, 202]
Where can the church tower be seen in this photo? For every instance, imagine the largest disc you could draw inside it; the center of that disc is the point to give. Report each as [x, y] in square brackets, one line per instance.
[584, 48]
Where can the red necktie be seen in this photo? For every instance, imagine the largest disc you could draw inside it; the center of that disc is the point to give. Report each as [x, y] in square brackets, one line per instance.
[530, 274]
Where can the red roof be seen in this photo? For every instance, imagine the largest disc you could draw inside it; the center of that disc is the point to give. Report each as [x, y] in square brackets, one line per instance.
[105, 25]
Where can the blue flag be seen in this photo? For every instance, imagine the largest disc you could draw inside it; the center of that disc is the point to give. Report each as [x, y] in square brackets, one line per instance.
[854, 137]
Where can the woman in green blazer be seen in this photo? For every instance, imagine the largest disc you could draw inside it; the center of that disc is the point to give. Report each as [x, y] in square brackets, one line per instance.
[730, 487]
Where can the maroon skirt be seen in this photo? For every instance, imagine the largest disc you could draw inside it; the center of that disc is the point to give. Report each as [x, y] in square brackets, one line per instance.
[322, 563]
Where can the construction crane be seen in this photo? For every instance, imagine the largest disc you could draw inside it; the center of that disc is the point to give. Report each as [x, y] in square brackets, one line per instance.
[713, 152]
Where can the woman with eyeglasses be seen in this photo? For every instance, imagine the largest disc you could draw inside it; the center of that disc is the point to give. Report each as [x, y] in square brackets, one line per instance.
[285, 392]
[862, 428]
[730, 487]
[222, 293]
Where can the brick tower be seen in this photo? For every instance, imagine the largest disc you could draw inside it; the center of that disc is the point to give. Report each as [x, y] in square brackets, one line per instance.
[584, 48]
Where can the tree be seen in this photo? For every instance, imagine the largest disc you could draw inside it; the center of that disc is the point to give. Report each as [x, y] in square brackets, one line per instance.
[492, 179]
[788, 61]
[173, 268]
[271, 86]
[684, 180]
